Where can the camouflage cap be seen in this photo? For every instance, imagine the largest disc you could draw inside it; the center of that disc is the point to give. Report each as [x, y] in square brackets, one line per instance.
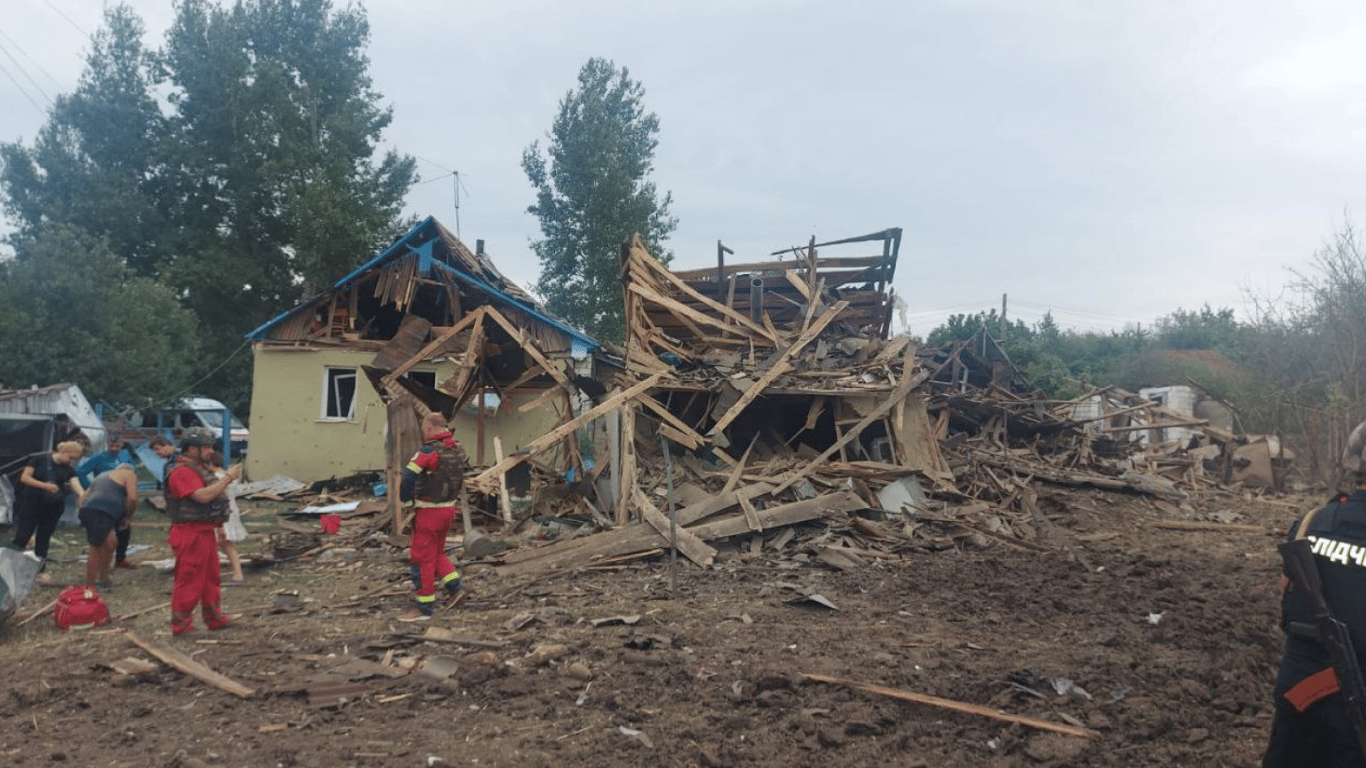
[197, 436]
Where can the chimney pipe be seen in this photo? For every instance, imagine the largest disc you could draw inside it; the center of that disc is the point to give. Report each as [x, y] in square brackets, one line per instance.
[756, 299]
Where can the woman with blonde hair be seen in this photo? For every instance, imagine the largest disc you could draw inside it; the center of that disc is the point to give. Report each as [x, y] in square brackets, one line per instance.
[44, 484]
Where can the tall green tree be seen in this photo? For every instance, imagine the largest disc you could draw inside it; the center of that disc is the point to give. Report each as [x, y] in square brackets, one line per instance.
[71, 310]
[237, 165]
[94, 165]
[275, 126]
[593, 193]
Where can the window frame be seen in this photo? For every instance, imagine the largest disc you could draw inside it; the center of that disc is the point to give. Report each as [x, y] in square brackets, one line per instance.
[332, 374]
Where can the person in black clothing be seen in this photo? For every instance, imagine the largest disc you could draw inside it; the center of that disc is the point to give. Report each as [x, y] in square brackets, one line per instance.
[44, 484]
[1311, 727]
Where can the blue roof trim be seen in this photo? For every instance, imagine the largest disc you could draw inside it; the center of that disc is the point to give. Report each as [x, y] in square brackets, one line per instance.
[581, 343]
[577, 336]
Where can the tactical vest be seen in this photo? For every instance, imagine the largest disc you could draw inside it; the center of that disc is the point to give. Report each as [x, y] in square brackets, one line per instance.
[187, 510]
[445, 482]
[1338, 534]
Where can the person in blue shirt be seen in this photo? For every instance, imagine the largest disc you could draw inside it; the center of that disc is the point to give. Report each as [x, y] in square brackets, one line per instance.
[97, 464]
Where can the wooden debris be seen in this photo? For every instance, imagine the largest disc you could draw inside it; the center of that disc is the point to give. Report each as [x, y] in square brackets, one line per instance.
[1186, 525]
[957, 706]
[178, 660]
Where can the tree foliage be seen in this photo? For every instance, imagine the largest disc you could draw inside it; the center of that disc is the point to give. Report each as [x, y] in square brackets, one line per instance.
[95, 163]
[592, 194]
[71, 310]
[235, 165]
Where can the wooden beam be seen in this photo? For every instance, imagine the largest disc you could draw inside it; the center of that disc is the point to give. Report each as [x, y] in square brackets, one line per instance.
[179, 660]
[628, 464]
[750, 329]
[957, 706]
[692, 547]
[432, 346]
[692, 438]
[481, 480]
[504, 503]
[647, 261]
[899, 394]
[458, 385]
[798, 283]
[530, 348]
[734, 478]
[781, 515]
[775, 370]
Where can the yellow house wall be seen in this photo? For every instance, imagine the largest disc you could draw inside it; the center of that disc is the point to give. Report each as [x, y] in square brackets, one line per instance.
[290, 437]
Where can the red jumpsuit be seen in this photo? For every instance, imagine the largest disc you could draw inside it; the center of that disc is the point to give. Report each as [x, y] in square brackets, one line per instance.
[432, 521]
[197, 577]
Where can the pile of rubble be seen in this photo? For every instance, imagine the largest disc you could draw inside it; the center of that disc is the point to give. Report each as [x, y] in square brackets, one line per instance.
[764, 407]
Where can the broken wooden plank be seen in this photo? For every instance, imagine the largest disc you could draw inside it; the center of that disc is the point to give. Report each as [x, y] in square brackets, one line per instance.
[692, 547]
[458, 384]
[40, 612]
[781, 515]
[482, 480]
[902, 390]
[431, 347]
[648, 262]
[1191, 525]
[178, 660]
[748, 328]
[529, 347]
[444, 635]
[957, 706]
[778, 367]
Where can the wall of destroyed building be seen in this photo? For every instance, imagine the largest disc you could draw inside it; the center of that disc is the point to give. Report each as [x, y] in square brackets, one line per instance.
[318, 416]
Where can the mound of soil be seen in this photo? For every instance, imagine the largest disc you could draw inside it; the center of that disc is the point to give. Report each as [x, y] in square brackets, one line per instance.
[1159, 646]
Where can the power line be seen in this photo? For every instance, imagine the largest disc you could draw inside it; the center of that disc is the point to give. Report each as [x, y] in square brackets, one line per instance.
[27, 95]
[438, 165]
[36, 63]
[5, 50]
[68, 18]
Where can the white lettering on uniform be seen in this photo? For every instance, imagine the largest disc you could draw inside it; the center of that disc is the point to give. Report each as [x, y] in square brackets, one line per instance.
[1340, 552]
[1343, 552]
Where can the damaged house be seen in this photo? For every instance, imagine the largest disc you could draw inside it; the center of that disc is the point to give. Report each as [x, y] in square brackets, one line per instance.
[756, 395]
[342, 379]
[760, 397]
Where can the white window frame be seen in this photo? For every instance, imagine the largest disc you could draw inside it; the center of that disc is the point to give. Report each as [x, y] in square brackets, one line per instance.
[332, 375]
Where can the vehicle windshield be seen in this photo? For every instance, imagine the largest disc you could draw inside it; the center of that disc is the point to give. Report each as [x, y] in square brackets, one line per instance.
[215, 419]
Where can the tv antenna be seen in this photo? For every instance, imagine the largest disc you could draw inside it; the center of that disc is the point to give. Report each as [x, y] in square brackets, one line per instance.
[458, 186]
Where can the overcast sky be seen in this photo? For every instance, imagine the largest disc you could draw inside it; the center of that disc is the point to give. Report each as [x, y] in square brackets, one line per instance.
[1111, 162]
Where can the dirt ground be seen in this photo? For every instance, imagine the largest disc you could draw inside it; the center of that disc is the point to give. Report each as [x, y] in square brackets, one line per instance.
[1163, 642]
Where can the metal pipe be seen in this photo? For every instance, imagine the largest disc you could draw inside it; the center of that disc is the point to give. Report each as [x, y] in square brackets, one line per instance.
[673, 520]
[756, 299]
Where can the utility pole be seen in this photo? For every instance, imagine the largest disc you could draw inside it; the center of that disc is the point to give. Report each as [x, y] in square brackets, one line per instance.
[1002, 337]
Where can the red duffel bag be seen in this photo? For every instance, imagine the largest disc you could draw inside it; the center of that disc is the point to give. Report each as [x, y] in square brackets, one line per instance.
[80, 608]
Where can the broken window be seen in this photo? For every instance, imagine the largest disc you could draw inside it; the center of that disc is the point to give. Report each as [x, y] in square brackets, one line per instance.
[425, 378]
[339, 396]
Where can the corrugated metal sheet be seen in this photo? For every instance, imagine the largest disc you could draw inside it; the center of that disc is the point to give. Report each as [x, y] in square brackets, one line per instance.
[57, 399]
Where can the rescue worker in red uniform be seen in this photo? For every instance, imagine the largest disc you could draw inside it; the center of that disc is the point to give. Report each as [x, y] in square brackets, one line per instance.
[1311, 728]
[198, 504]
[432, 481]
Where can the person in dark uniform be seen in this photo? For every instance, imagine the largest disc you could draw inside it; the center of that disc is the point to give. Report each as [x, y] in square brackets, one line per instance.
[1311, 727]
[432, 481]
